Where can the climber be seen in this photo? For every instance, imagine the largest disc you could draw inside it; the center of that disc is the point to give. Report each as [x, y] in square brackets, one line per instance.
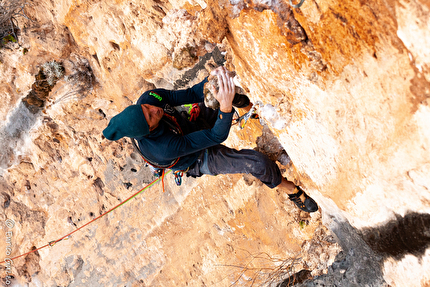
[167, 139]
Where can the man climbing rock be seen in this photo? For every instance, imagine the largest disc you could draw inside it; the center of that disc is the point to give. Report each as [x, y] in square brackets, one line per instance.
[192, 144]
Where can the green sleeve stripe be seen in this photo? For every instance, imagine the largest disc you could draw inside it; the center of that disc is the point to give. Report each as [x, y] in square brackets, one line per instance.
[156, 96]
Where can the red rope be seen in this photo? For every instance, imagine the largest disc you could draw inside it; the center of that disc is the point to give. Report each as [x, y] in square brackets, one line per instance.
[52, 243]
[162, 178]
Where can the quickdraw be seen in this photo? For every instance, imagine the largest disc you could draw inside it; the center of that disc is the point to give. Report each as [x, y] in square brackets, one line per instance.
[178, 177]
[178, 174]
[242, 120]
[158, 172]
[52, 243]
[298, 5]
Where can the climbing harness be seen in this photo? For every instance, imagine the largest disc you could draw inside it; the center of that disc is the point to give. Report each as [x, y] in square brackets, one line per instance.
[158, 170]
[172, 123]
[65, 237]
[297, 5]
[193, 111]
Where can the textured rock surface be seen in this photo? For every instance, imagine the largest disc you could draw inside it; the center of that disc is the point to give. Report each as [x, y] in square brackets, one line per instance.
[345, 88]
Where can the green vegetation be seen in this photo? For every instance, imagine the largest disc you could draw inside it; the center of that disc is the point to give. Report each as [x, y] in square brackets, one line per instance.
[7, 39]
[302, 224]
[9, 11]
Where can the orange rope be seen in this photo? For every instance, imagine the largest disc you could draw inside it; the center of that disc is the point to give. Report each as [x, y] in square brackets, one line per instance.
[162, 178]
[52, 243]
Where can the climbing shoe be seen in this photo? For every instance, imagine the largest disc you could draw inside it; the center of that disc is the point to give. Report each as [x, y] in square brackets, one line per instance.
[309, 205]
[240, 101]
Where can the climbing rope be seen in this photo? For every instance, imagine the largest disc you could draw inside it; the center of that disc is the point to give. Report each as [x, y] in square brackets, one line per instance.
[65, 237]
[242, 120]
[297, 5]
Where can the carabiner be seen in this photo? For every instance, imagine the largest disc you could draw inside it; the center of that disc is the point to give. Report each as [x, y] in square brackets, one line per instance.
[297, 5]
[178, 177]
[250, 114]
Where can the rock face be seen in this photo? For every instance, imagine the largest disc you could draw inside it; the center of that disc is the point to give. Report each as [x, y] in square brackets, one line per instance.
[345, 88]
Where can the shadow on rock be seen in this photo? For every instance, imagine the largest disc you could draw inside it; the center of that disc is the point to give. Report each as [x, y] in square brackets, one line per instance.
[397, 238]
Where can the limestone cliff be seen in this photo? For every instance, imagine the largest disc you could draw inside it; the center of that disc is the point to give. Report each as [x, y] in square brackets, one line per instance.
[344, 88]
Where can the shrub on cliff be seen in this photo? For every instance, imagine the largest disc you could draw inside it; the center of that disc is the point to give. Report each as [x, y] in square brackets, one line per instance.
[9, 11]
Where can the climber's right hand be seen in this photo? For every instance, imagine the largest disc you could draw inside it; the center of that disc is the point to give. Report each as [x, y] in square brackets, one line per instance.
[226, 92]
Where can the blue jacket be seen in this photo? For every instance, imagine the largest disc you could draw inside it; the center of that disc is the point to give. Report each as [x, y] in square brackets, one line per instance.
[162, 145]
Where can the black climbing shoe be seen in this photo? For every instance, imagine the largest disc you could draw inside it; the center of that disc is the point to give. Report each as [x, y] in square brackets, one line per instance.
[309, 205]
[240, 101]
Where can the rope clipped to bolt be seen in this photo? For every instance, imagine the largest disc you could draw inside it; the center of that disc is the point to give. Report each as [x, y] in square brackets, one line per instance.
[67, 236]
[251, 114]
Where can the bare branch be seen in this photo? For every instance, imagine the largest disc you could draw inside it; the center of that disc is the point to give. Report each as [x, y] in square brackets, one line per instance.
[9, 11]
[261, 274]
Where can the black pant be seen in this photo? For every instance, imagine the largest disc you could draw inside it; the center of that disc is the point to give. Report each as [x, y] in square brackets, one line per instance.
[224, 160]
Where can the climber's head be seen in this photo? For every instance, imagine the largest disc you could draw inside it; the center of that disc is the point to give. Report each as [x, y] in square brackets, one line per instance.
[134, 122]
